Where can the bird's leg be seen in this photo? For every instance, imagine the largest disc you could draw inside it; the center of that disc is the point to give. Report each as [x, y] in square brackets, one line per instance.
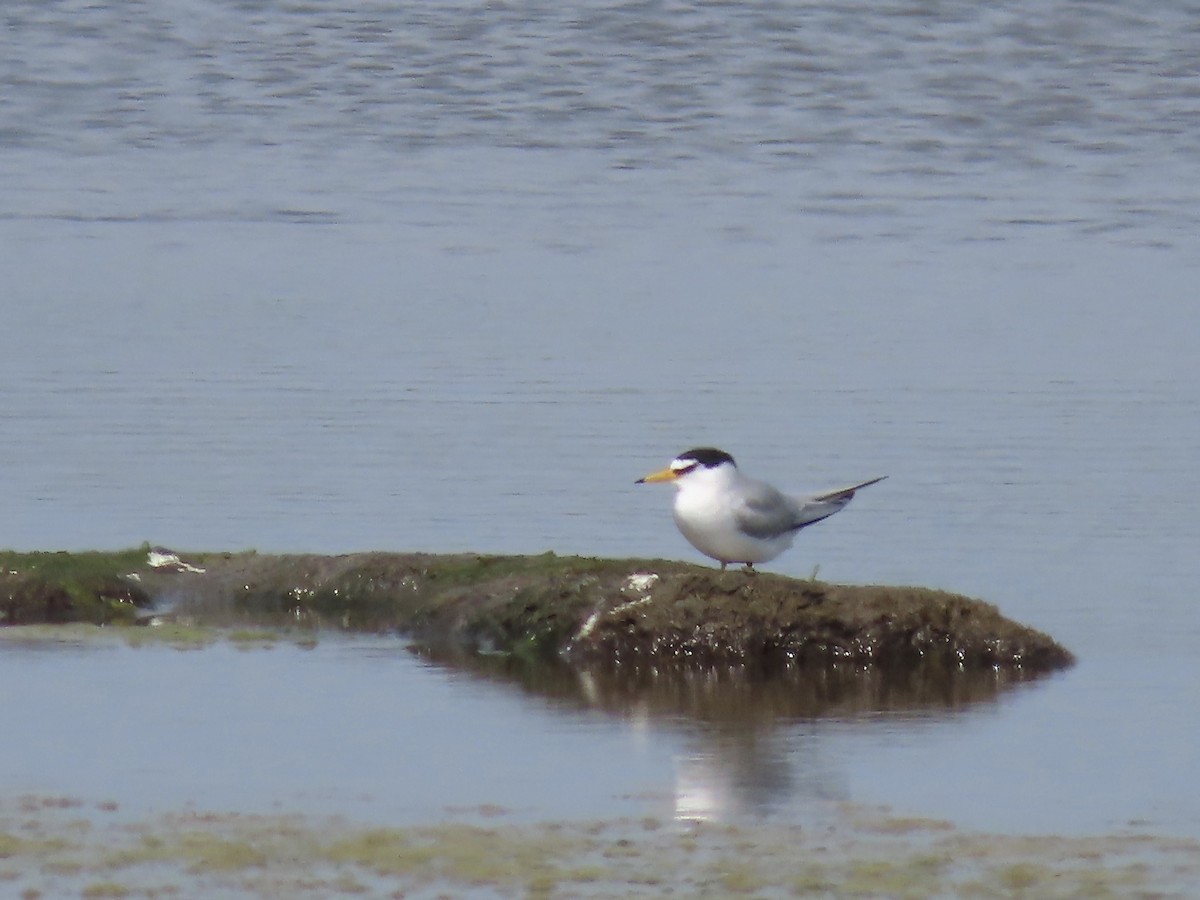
[723, 565]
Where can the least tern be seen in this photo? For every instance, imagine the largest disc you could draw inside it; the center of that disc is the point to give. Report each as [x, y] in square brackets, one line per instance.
[735, 519]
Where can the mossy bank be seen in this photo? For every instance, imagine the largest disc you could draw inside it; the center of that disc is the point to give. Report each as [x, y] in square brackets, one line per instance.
[579, 608]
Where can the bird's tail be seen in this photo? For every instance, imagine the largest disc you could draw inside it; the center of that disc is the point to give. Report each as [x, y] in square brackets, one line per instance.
[847, 493]
[825, 505]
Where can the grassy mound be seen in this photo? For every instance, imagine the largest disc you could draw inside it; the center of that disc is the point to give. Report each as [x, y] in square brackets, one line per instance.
[578, 608]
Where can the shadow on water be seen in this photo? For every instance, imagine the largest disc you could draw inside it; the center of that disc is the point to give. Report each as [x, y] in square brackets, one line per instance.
[754, 741]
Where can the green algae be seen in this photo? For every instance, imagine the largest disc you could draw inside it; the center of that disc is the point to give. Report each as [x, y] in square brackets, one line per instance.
[71, 587]
[856, 853]
[105, 889]
[458, 853]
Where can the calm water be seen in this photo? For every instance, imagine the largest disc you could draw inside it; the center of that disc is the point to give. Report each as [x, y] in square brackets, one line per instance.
[295, 277]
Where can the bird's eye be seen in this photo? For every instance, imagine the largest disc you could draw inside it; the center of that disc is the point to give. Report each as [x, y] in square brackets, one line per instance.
[684, 465]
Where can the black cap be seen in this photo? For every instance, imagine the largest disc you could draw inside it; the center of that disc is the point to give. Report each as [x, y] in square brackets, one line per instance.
[709, 457]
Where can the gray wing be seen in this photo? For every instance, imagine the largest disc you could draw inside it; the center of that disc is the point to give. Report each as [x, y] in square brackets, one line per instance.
[765, 512]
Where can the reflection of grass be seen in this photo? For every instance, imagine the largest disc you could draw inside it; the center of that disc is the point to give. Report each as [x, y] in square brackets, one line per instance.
[176, 634]
[59, 848]
[252, 636]
[180, 635]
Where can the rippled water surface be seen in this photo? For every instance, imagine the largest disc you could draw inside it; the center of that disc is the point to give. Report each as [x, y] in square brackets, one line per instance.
[451, 276]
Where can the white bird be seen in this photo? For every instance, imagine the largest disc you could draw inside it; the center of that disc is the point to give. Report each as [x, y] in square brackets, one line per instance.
[735, 519]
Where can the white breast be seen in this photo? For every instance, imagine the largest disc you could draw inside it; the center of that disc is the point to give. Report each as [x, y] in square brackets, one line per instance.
[704, 514]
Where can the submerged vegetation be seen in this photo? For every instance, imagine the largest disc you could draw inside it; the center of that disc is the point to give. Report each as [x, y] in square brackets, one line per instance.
[59, 847]
[534, 607]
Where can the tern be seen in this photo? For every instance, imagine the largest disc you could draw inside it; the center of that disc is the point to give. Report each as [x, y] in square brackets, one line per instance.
[736, 519]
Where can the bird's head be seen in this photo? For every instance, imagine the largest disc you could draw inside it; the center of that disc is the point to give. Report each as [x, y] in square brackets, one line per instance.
[692, 462]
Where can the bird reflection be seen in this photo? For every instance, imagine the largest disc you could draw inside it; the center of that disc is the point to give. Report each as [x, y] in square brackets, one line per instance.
[753, 735]
[734, 779]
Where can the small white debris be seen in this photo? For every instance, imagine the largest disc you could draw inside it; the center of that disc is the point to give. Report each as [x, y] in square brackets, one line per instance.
[629, 605]
[162, 558]
[588, 626]
[640, 582]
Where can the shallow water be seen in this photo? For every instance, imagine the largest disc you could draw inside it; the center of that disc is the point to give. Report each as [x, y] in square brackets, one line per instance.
[363, 728]
[358, 727]
[308, 278]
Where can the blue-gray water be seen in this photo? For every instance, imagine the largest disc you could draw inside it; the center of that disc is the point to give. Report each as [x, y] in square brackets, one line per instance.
[451, 276]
